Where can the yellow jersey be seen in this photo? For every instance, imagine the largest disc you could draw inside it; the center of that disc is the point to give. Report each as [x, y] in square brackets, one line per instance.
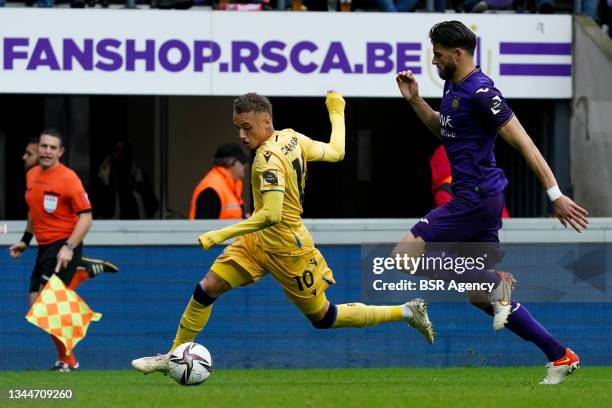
[280, 168]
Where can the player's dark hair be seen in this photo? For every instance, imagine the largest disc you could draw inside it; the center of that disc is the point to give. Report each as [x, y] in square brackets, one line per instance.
[252, 102]
[453, 34]
[224, 161]
[34, 140]
[55, 133]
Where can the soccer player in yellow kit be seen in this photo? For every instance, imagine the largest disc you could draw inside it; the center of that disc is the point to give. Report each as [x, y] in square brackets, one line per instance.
[274, 240]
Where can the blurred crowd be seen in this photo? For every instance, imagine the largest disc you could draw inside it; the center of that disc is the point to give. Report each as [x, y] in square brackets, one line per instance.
[589, 7]
[599, 10]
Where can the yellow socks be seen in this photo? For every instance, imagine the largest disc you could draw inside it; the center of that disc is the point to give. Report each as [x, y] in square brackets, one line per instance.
[193, 321]
[360, 315]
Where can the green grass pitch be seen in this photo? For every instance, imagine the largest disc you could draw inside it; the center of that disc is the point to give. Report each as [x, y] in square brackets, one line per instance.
[396, 387]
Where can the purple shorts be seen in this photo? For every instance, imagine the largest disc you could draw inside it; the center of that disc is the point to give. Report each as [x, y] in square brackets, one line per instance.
[463, 220]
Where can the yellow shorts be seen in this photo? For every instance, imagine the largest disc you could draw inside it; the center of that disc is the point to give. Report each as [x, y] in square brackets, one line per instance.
[304, 278]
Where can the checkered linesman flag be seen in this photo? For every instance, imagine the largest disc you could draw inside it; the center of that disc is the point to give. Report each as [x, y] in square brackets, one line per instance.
[61, 312]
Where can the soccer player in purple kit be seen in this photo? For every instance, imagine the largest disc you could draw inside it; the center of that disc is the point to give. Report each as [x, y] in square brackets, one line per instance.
[472, 113]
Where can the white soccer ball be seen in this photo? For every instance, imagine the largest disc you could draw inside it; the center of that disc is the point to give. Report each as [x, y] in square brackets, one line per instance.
[190, 364]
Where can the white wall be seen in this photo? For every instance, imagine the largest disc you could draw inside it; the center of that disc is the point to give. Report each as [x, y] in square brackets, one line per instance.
[591, 124]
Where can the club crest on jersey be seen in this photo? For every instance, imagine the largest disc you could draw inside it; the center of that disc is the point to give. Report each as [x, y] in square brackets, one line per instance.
[455, 103]
[50, 202]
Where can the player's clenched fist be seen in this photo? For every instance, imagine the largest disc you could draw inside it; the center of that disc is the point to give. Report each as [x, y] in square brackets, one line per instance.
[334, 102]
[407, 84]
[208, 239]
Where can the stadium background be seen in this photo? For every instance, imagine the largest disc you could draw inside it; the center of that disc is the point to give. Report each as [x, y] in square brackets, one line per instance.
[175, 137]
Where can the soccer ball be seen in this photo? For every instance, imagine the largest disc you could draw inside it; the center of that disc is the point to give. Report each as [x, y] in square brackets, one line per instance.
[190, 364]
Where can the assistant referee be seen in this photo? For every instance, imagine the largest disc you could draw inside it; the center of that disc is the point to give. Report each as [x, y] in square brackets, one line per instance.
[59, 217]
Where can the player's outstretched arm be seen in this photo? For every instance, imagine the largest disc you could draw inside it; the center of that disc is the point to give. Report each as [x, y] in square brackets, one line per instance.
[566, 210]
[269, 214]
[409, 87]
[334, 150]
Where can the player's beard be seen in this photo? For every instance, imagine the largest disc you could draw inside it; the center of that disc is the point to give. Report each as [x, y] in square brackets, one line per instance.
[448, 70]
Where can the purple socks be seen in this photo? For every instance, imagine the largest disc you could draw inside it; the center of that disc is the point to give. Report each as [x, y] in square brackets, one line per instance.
[522, 323]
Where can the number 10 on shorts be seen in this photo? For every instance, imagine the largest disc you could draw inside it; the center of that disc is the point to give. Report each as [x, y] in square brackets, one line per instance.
[305, 281]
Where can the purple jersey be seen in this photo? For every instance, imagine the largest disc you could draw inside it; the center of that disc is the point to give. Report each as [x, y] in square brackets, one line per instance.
[471, 113]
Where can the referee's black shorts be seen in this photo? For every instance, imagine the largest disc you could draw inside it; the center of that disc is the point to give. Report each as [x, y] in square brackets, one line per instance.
[46, 261]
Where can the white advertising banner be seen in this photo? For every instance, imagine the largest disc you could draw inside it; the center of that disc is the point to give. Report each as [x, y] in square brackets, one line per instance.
[155, 52]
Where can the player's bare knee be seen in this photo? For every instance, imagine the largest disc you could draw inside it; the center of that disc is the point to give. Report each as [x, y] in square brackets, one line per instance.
[326, 318]
[478, 298]
[319, 315]
[210, 288]
[410, 247]
[214, 285]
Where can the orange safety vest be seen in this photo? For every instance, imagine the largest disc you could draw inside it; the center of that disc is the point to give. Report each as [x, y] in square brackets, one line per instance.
[228, 190]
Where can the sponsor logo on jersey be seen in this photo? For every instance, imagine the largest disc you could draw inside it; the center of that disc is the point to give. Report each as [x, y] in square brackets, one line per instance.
[267, 156]
[446, 121]
[482, 90]
[270, 178]
[445, 125]
[495, 105]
